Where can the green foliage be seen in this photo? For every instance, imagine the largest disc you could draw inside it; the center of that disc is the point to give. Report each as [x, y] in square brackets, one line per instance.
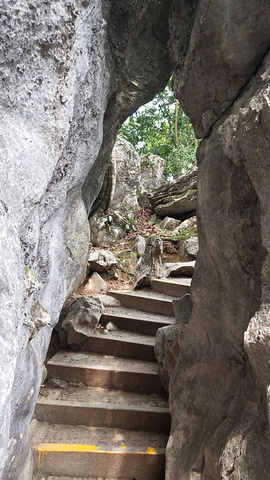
[152, 130]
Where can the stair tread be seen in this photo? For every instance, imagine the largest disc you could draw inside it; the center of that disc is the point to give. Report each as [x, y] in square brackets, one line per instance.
[52, 477]
[106, 439]
[174, 281]
[102, 396]
[144, 294]
[130, 313]
[102, 362]
[126, 336]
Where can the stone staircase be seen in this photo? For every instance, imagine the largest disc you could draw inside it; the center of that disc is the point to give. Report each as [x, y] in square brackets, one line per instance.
[103, 414]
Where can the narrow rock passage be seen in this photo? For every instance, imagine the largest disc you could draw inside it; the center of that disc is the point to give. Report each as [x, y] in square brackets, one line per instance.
[103, 413]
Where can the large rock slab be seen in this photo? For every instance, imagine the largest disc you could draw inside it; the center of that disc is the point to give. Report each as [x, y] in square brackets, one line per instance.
[177, 199]
[220, 424]
[71, 72]
[227, 42]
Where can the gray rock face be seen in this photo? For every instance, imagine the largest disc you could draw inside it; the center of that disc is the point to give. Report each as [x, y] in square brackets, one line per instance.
[177, 199]
[219, 388]
[71, 72]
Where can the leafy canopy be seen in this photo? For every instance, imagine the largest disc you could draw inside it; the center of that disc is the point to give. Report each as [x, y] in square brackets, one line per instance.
[162, 128]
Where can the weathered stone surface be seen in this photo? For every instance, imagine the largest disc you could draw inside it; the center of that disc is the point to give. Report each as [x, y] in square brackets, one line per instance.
[71, 72]
[192, 246]
[150, 264]
[177, 199]
[101, 261]
[219, 390]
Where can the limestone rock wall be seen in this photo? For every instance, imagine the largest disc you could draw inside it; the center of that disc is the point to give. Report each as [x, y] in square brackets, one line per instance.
[219, 390]
[70, 72]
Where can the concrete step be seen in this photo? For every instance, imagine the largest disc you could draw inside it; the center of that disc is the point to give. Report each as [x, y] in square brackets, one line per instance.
[146, 323]
[176, 287]
[121, 343]
[145, 300]
[97, 452]
[40, 476]
[105, 371]
[130, 411]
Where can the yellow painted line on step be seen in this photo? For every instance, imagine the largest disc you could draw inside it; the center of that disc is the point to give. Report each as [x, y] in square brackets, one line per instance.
[45, 449]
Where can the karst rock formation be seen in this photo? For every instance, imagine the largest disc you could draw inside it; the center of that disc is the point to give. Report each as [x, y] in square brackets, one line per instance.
[71, 72]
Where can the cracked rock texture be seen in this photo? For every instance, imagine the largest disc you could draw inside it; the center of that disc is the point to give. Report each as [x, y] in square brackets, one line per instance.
[219, 389]
[71, 71]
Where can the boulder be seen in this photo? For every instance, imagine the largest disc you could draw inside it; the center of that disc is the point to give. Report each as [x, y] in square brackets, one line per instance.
[188, 224]
[177, 199]
[170, 224]
[101, 261]
[179, 269]
[95, 284]
[192, 246]
[108, 229]
[150, 264]
[81, 320]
